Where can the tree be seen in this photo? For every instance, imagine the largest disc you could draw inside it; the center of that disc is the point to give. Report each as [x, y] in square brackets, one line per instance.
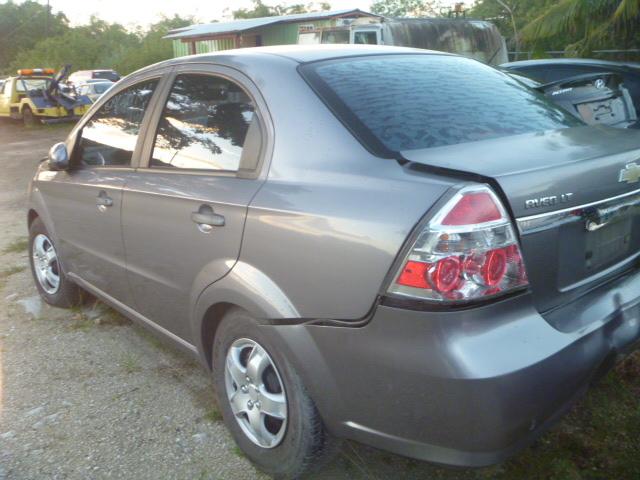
[510, 16]
[589, 23]
[406, 8]
[104, 45]
[23, 25]
[260, 9]
[152, 48]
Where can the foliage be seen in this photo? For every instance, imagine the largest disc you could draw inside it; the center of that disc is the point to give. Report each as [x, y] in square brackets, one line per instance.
[102, 45]
[260, 9]
[25, 24]
[576, 26]
[406, 8]
[589, 24]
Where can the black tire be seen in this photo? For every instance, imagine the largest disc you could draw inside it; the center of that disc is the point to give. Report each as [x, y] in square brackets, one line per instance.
[306, 445]
[68, 294]
[28, 117]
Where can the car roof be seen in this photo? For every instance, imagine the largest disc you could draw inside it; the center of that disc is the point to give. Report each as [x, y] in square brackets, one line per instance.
[570, 61]
[295, 53]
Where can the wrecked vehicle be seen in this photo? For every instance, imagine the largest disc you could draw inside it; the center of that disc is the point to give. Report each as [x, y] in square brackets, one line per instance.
[34, 96]
[595, 98]
[475, 39]
[554, 69]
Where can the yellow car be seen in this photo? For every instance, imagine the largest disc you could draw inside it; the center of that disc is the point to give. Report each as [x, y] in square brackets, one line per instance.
[34, 96]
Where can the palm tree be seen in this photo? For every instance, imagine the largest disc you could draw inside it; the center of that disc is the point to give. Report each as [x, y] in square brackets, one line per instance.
[593, 22]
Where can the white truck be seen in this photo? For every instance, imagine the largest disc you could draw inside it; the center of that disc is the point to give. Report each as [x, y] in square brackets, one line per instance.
[471, 38]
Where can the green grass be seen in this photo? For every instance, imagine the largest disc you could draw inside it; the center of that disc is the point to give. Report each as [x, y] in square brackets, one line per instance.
[17, 246]
[7, 272]
[236, 449]
[599, 439]
[213, 415]
[130, 364]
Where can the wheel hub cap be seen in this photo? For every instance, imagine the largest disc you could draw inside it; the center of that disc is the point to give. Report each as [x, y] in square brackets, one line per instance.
[45, 263]
[256, 393]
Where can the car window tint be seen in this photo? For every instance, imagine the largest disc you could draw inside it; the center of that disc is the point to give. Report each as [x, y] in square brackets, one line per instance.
[204, 124]
[406, 102]
[110, 137]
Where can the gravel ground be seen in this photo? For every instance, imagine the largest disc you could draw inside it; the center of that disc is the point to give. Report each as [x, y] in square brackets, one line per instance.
[86, 394]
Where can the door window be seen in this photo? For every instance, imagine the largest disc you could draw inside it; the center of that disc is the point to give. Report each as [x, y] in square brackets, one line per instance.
[204, 124]
[110, 137]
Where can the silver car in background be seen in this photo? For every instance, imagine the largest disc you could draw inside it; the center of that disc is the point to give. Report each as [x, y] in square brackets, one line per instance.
[94, 90]
[401, 247]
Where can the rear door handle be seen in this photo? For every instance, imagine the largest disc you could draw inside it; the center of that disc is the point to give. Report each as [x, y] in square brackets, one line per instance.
[206, 219]
[103, 201]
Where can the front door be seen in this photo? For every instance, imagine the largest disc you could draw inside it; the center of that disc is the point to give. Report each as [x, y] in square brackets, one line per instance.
[85, 202]
[5, 98]
[183, 215]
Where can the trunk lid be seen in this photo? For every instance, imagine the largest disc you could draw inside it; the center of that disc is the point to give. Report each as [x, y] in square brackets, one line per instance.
[555, 184]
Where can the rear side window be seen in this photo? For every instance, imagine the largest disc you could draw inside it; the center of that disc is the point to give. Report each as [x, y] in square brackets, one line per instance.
[109, 138]
[405, 102]
[204, 124]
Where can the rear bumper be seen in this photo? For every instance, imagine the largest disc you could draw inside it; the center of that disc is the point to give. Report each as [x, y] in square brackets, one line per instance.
[466, 388]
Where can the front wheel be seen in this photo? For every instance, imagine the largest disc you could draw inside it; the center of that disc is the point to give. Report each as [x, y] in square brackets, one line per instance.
[264, 403]
[52, 284]
[28, 117]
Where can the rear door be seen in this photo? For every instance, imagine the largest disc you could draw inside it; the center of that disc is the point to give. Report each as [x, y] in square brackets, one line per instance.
[85, 201]
[184, 213]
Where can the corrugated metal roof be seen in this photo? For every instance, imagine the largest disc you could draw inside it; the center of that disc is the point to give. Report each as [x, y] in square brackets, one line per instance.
[251, 23]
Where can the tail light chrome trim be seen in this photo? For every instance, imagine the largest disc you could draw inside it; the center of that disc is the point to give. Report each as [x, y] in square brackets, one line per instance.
[464, 252]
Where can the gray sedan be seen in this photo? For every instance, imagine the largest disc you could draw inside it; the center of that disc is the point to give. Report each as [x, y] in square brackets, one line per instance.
[400, 247]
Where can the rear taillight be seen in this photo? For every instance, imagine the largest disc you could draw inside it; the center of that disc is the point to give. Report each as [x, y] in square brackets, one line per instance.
[467, 251]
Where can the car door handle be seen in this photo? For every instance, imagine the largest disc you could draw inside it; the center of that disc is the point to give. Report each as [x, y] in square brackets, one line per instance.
[206, 219]
[103, 201]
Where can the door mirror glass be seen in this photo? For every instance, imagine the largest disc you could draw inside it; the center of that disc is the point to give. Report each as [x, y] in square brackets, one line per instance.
[58, 157]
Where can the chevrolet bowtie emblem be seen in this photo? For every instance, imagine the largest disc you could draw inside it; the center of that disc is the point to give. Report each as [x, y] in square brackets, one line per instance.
[630, 173]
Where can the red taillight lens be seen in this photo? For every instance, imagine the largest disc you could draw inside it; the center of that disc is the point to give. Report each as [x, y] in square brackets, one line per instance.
[414, 274]
[468, 250]
[477, 207]
[495, 266]
[447, 274]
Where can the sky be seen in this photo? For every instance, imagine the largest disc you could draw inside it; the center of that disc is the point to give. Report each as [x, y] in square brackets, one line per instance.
[145, 12]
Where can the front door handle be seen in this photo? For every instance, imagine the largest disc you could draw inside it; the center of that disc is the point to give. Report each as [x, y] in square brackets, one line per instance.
[206, 219]
[103, 201]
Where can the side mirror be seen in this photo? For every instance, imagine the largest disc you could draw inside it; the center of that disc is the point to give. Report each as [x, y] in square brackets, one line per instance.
[58, 157]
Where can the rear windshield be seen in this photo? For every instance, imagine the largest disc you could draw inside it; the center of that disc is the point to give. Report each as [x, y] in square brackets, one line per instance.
[406, 102]
[108, 75]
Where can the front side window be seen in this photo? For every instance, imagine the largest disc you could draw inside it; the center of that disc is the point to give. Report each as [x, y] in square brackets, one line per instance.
[204, 124]
[30, 84]
[110, 137]
[405, 102]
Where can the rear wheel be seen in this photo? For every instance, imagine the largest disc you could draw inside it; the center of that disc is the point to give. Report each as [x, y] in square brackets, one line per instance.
[28, 117]
[52, 284]
[264, 403]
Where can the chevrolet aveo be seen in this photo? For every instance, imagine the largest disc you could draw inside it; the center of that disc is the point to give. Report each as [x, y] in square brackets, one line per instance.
[401, 247]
